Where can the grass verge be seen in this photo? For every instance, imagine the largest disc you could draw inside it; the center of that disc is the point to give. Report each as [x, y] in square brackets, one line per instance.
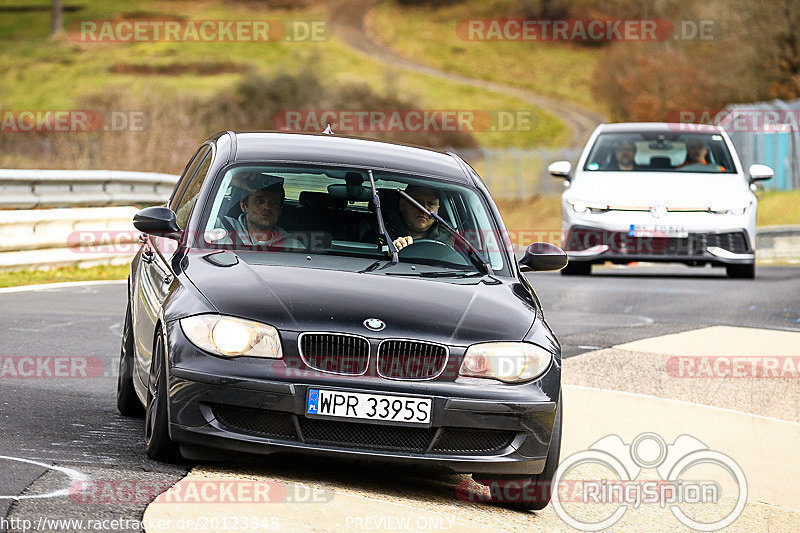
[57, 275]
[429, 35]
[47, 74]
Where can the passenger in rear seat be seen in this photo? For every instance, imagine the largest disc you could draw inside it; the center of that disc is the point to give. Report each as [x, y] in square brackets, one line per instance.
[412, 223]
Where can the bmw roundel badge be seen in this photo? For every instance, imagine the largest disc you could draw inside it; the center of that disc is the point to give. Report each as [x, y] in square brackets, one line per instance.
[374, 324]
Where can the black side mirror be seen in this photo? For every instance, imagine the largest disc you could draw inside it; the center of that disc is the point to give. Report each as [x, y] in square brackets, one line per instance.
[541, 256]
[158, 221]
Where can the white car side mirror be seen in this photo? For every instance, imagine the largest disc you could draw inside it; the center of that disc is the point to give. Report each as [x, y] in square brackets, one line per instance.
[560, 169]
[760, 172]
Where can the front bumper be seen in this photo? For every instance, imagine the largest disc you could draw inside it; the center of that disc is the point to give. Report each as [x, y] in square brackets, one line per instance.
[595, 245]
[475, 427]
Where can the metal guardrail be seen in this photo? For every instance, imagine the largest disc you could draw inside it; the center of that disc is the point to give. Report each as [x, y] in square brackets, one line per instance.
[27, 189]
[778, 244]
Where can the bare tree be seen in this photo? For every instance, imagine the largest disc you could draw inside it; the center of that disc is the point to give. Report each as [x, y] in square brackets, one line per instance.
[57, 17]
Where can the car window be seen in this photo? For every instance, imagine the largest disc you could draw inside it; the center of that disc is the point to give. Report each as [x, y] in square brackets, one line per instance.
[329, 211]
[189, 197]
[187, 175]
[660, 151]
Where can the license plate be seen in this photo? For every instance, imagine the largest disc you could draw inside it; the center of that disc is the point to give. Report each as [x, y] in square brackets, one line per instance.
[663, 231]
[340, 404]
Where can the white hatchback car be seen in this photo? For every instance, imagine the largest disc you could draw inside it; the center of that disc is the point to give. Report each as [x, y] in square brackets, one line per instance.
[663, 193]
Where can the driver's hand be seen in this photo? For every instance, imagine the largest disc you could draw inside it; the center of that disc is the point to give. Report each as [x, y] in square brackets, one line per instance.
[402, 242]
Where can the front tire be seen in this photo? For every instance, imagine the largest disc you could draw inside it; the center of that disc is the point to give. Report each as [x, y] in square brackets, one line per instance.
[577, 268]
[128, 403]
[530, 493]
[741, 271]
[158, 444]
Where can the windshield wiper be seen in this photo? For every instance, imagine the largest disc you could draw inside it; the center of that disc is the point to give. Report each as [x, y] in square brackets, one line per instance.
[375, 266]
[478, 259]
[376, 199]
[438, 274]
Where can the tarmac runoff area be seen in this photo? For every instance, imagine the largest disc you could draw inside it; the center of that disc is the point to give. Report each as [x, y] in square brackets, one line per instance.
[745, 408]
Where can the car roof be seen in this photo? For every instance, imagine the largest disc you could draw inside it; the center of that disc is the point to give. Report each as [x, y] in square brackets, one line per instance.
[673, 127]
[348, 151]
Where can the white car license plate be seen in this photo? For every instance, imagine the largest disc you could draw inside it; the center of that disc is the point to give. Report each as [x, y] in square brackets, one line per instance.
[657, 231]
[340, 404]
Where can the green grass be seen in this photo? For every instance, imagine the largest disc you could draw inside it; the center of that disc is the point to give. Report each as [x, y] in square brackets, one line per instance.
[428, 35]
[56, 275]
[42, 73]
[778, 208]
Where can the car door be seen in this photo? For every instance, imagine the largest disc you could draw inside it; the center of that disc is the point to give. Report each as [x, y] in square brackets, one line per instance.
[154, 273]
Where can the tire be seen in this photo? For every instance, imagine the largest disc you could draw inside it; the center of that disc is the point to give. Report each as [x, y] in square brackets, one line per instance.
[741, 271]
[158, 444]
[577, 268]
[128, 403]
[529, 493]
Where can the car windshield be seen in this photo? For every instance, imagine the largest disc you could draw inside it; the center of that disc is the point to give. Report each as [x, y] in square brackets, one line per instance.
[660, 151]
[319, 216]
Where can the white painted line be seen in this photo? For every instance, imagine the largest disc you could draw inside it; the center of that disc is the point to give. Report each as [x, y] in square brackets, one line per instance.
[60, 285]
[73, 476]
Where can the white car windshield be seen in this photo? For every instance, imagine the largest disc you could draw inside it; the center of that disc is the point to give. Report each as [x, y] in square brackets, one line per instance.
[660, 151]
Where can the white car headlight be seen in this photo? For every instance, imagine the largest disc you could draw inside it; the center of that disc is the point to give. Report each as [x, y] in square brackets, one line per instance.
[232, 337]
[510, 362]
[578, 206]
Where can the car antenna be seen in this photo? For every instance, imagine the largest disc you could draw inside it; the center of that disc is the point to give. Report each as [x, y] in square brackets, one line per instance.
[376, 199]
[328, 130]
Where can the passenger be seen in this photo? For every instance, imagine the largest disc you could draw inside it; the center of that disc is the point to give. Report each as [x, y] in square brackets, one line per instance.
[412, 223]
[624, 156]
[697, 154]
[261, 206]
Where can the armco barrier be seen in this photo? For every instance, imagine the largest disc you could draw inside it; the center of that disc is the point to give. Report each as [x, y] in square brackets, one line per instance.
[41, 238]
[27, 189]
[778, 244]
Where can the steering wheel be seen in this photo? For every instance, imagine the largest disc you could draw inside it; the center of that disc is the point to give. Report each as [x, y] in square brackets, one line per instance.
[432, 249]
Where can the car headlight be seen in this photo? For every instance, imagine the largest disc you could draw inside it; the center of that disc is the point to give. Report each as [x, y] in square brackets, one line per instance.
[578, 206]
[232, 337]
[738, 210]
[510, 362]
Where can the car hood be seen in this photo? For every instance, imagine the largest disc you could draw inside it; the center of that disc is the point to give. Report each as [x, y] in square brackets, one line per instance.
[312, 299]
[672, 189]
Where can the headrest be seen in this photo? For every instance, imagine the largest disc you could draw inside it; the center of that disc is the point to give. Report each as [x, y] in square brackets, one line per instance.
[320, 200]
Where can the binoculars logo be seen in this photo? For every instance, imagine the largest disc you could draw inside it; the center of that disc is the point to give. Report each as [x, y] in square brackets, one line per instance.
[673, 487]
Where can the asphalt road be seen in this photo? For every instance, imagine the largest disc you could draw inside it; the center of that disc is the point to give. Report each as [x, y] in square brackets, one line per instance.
[72, 422]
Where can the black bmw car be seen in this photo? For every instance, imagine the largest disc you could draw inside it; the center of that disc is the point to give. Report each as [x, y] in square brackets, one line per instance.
[328, 295]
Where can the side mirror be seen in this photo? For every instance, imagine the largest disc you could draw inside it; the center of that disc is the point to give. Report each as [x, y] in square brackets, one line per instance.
[760, 172]
[158, 221]
[542, 256]
[560, 169]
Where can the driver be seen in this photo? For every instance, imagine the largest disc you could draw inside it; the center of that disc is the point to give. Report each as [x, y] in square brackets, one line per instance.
[261, 206]
[413, 223]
